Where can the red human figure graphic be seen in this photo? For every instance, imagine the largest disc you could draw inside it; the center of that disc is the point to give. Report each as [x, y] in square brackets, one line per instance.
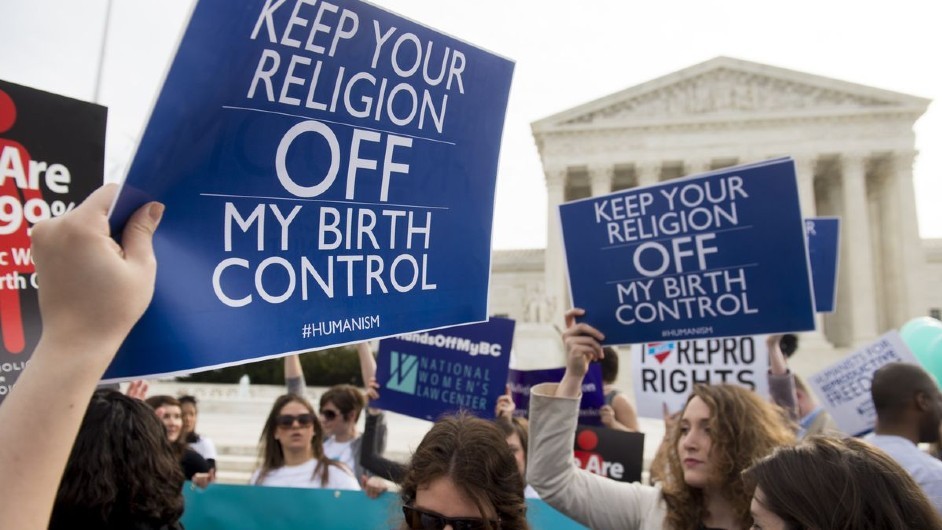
[11, 315]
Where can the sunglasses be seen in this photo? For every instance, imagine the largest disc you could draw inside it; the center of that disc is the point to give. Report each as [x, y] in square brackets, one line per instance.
[417, 519]
[328, 414]
[286, 421]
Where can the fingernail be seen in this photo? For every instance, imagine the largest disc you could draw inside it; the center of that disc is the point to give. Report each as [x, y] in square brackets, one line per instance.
[155, 211]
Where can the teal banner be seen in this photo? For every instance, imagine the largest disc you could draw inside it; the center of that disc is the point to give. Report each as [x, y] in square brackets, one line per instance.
[223, 507]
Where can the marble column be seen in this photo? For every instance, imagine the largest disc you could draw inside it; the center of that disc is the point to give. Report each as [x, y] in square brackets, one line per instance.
[648, 173]
[556, 290]
[696, 166]
[912, 257]
[600, 178]
[857, 249]
[804, 169]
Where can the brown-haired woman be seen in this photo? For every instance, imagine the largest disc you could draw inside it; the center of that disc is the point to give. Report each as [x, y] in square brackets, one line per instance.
[170, 412]
[292, 453]
[122, 472]
[463, 475]
[721, 431]
[832, 484]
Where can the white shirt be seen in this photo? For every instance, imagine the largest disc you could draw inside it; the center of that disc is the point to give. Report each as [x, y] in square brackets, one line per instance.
[205, 447]
[304, 476]
[925, 470]
[530, 493]
[341, 452]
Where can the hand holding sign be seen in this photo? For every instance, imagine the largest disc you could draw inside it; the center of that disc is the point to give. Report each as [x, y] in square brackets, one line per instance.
[95, 289]
[583, 345]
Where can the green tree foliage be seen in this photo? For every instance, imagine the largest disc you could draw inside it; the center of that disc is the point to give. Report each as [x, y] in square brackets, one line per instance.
[328, 367]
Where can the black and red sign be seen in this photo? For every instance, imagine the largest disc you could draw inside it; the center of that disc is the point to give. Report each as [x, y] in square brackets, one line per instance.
[618, 455]
[52, 156]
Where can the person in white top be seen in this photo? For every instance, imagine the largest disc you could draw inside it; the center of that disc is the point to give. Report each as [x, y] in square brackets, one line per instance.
[909, 410]
[292, 452]
[201, 444]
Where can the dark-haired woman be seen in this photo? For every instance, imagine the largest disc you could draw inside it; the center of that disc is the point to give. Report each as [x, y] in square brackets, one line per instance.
[832, 484]
[122, 472]
[291, 450]
[463, 475]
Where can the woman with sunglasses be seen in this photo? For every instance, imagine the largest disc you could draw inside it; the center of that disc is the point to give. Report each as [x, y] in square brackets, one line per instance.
[292, 453]
[463, 477]
[340, 408]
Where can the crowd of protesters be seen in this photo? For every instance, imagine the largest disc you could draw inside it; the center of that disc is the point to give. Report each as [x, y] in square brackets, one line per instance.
[730, 460]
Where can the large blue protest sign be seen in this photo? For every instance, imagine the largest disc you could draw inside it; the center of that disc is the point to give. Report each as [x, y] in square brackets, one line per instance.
[843, 388]
[823, 235]
[224, 507]
[52, 156]
[329, 174]
[593, 396]
[425, 375]
[716, 255]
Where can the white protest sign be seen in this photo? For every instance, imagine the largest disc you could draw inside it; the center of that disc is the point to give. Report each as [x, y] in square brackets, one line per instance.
[665, 372]
[844, 387]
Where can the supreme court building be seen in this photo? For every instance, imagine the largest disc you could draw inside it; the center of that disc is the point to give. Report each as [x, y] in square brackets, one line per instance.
[854, 147]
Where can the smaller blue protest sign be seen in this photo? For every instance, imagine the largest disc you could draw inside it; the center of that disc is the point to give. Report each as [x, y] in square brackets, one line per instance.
[844, 387]
[618, 455]
[593, 397]
[823, 234]
[426, 375]
[715, 255]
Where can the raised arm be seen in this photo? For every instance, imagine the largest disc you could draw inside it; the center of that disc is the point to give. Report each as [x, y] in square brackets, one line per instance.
[93, 292]
[367, 362]
[781, 380]
[294, 375]
[583, 345]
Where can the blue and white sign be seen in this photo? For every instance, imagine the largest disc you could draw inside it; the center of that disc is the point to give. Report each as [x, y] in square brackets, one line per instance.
[664, 373]
[329, 174]
[593, 394]
[425, 375]
[716, 255]
[843, 388]
[824, 235]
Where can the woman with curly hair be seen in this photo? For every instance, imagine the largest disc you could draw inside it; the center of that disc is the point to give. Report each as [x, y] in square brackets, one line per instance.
[721, 431]
[463, 475]
[292, 452]
[122, 472]
[828, 483]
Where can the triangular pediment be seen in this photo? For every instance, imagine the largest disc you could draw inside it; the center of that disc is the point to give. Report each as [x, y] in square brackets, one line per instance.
[725, 88]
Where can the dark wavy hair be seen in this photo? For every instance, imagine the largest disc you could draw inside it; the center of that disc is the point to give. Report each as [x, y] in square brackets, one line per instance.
[475, 455]
[122, 472]
[347, 398]
[270, 453]
[840, 484]
[743, 428]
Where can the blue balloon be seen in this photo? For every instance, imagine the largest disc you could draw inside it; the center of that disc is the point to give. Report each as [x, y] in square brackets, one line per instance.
[919, 333]
[919, 322]
[931, 359]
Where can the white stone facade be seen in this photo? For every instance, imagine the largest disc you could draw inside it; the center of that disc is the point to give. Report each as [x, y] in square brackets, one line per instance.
[854, 146]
